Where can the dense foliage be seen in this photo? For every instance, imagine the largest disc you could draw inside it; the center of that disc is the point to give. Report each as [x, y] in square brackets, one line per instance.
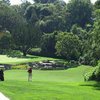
[68, 45]
[70, 31]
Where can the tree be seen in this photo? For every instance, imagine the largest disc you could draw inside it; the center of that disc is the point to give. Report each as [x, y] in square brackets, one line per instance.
[92, 50]
[96, 35]
[47, 16]
[21, 8]
[24, 33]
[5, 1]
[97, 4]
[26, 37]
[48, 44]
[79, 12]
[5, 40]
[9, 18]
[31, 15]
[45, 1]
[68, 46]
[27, 33]
[51, 17]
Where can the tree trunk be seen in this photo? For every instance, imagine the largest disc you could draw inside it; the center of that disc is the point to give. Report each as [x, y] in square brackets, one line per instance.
[24, 53]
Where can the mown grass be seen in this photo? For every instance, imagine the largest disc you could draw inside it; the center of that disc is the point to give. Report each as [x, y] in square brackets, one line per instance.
[50, 85]
[4, 59]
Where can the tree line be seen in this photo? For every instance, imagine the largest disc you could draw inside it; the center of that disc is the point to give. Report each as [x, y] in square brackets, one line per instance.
[70, 31]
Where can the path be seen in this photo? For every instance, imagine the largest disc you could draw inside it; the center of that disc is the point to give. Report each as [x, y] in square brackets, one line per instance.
[2, 97]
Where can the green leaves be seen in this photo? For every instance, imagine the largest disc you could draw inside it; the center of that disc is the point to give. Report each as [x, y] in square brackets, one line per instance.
[80, 12]
[45, 1]
[68, 46]
[48, 44]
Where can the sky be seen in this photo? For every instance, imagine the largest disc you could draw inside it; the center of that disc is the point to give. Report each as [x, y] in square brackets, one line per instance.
[14, 2]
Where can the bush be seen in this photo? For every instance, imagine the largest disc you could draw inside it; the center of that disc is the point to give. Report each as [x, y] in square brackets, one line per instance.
[68, 46]
[95, 74]
[88, 59]
[73, 63]
[19, 67]
[65, 64]
[61, 64]
[14, 53]
[89, 76]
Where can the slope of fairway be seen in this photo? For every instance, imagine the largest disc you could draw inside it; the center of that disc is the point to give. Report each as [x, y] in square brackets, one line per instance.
[50, 85]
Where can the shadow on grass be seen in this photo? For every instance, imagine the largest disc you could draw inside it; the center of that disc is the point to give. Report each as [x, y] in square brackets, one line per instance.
[29, 57]
[95, 85]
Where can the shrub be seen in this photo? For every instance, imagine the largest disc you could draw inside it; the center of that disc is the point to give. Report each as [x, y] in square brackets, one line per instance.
[68, 46]
[61, 64]
[95, 74]
[89, 76]
[14, 53]
[19, 67]
[88, 59]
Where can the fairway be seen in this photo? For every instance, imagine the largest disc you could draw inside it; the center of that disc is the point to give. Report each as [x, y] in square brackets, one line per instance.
[4, 59]
[50, 85]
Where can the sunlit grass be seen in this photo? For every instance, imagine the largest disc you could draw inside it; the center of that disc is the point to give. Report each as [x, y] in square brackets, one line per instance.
[50, 85]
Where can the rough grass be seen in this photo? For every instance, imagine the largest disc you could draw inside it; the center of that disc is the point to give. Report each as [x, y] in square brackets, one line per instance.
[50, 85]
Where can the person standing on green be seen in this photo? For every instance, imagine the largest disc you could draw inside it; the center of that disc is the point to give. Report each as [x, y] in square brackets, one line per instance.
[29, 74]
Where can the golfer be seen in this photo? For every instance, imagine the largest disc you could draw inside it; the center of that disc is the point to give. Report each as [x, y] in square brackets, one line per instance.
[29, 74]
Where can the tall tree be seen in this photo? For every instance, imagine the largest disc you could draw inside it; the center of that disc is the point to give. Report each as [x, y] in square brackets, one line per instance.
[96, 35]
[26, 37]
[31, 15]
[27, 33]
[5, 1]
[79, 12]
[21, 8]
[51, 17]
[83, 36]
[97, 4]
[5, 40]
[48, 44]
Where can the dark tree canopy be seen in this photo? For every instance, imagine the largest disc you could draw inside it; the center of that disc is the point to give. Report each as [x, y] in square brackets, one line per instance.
[45, 1]
[80, 12]
[97, 4]
[48, 44]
